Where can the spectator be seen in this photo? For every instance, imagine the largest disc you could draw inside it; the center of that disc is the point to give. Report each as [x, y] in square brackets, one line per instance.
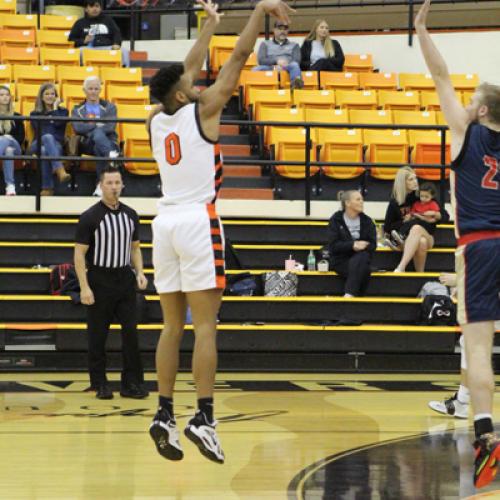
[99, 139]
[52, 136]
[398, 217]
[97, 31]
[319, 52]
[352, 239]
[281, 53]
[11, 138]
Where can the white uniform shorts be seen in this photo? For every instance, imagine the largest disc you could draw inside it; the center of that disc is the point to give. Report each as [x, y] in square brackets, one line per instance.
[188, 249]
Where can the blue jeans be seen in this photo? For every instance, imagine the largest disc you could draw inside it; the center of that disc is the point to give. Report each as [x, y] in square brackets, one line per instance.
[9, 147]
[50, 147]
[293, 70]
[99, 144]
[125, 53]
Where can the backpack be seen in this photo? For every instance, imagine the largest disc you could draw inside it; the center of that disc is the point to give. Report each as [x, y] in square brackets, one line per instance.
[280, 284]
[437, 308]
[243, 285]
[63, 279]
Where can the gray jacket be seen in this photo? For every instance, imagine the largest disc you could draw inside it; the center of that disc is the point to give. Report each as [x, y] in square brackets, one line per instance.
[108, 110]
[270, 51]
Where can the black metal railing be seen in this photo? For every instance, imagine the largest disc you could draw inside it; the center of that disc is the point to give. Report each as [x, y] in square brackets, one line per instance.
[37, 156]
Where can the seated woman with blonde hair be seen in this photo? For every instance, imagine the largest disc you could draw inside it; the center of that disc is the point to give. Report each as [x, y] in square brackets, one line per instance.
[319, 52]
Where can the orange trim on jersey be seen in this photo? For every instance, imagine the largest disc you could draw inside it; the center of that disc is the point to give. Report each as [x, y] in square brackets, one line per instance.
[220, 278]
[215, 231]
[478, 236]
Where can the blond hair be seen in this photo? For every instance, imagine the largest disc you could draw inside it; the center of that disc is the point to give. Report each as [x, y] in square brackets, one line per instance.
[489, 96]
[399, 190]
[6, 125]
[327, 44]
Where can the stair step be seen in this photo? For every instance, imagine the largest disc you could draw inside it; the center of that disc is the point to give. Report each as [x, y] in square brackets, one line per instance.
[138, 55]
[234, 139]
[248, 182]
[236, 149]
[230, 130]
[242, 171]
[246, 194]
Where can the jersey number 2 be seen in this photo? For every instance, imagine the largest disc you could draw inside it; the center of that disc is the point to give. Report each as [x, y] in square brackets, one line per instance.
[173, 149]
[493, 169]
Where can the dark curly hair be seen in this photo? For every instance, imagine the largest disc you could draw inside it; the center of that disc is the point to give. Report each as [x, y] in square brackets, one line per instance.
[164, 80]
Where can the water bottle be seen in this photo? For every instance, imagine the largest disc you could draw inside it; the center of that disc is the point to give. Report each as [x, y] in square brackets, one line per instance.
[92, 34]
[311, 261]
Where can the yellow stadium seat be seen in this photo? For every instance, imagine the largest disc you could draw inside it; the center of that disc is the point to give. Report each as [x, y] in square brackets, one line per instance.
[249, 64]
[341, 145]
[12, 88]
[370, 116]
[358, 62]
[334, 80]
[5, 73]
[141, 111]
[430, 100]
[466, 96]
[386, 146]
[441, 120]
[66, 57]
[27, 106]
[59, 23]
[17, 107]
[403, 117]
[128, 95]
[34, 74]
[399, 100]
[17, 37]
[18, 21]
[257, 79]
[467, 81]
[325, 116]
[219, 45]
[27, 92]
[19, 55]
[279, 115]
[112, 58]
[356, 99]
[290, 145]
[426, 148]
[54, 39]
[75, 75]
[311, 80]
[121, 76]
[314, 99]
[8, 7]
[72, 95]
[137, 145]
[387, 81]
[416, 81]
[257, 98]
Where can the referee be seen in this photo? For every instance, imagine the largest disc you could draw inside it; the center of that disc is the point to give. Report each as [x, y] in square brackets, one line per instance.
[107, 241]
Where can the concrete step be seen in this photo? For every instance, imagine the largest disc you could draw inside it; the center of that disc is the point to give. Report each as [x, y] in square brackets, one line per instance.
[246, 194]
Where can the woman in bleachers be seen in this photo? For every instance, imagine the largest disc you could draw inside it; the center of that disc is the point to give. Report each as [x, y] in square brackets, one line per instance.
[398, 218]
[352, 240]
[52, 135]
[11, 139]
[319, 52]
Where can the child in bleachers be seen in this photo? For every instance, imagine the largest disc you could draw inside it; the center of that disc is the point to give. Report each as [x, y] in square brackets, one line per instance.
[11, 139]
[52, 136]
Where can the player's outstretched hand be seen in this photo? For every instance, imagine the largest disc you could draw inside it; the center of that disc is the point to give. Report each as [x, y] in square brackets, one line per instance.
[277, 8]
[211, 9]
[421, 19]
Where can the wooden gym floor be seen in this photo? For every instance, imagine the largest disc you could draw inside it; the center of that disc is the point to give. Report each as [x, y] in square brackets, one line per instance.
[286, 436]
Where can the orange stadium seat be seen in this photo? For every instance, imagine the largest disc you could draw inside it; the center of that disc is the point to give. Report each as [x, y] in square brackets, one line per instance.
[27, 92]
[386, 146]
[17, 37]
[137, 145]
[75, 75]
[341, 145]
[310, 79]
[356, 99]
[416, 81]
[358, 62]
[72, 95]
[19, 55]
[34, 74]
[403, 117]
[112, 58]
[334, 80]
[249, 64]
[387, 81]
[314, 99]
[279, 115]
[55, 39]
[370, 116]
[396, 100]
[219, 45]
[258, 79]
[128, 95]
[8, 7]
[467, 81]
[66, 57]
[59, 23]
[426, 148]
[325, 116]
[258, 98]
[430, 100]
[131, 111]
[17, 21]
[5, 73]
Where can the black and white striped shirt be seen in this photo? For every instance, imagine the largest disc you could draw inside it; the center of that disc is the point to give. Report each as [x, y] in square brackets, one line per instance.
[109, 235]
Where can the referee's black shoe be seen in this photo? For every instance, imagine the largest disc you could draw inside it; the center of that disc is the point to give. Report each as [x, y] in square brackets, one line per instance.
[134, 391]
[104, 392]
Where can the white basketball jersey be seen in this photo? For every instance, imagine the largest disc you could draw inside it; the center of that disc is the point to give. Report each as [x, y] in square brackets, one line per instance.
[190, 164]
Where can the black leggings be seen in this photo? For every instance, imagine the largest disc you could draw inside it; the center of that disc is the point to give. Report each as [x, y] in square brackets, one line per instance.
[356, 271]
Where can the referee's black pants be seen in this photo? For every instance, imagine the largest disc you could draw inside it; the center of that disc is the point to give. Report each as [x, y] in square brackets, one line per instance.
[115, 297]
[356, 272]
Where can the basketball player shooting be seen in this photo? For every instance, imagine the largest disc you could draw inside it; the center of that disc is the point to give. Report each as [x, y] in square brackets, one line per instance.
[188, 242]
[475, 188]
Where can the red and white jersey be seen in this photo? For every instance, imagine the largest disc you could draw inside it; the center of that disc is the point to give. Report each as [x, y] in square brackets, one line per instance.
[190, 164]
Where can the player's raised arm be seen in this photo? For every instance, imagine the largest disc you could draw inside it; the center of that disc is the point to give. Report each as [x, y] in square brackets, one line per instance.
[456, 116]
[213, 100]
[196, 56]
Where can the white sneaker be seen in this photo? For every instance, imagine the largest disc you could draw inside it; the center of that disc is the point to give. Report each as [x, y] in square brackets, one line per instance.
[10, 190]
[163, 431]
[98, 191]
[452, 407]
[202, 434]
